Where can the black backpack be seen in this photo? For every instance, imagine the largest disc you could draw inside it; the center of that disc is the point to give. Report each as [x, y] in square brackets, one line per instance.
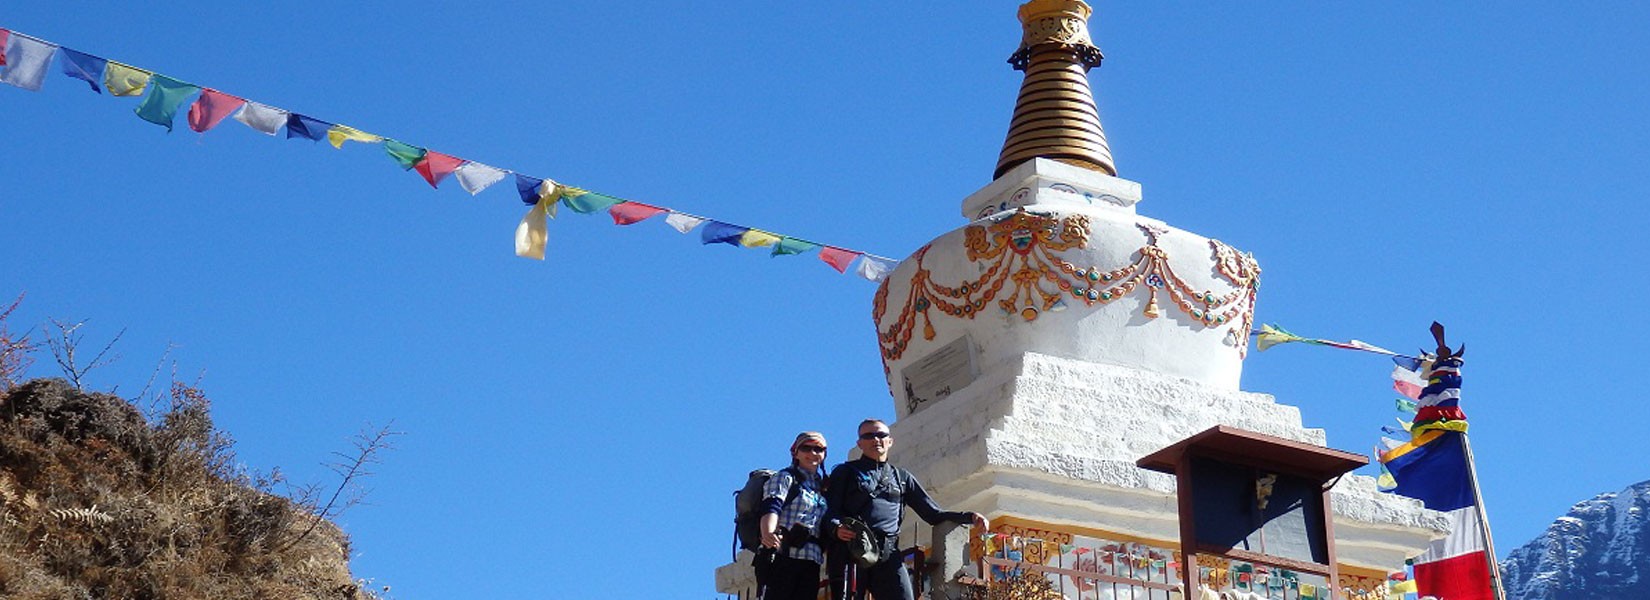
[747, 504]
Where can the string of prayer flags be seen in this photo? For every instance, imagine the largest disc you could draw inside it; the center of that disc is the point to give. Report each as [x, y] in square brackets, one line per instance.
[437, 166]
[474, 176]
[211, 109]
[124, 80]
[26, 61]
[630, 213]
[165, 96]
[339, 134]
[1272, 335]
[84, 67]
[261, 118]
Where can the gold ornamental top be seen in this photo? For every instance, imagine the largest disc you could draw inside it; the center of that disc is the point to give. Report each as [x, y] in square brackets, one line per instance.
[1055, 117]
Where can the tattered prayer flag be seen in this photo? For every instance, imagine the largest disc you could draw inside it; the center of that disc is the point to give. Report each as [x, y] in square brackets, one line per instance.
[84, 67]
[1407, 382]
[165, 96]
[211, 109]
[838, 258]
[26, 62]
[404, 154]
[875, 269]
[628, 213]
[266, 119]
[528, 187]
[789, 245]
[682, 223]
[307, 127]
[717, 232]
[534, 231]
[1406, 405]
[437, 166]
[757, 238]
[586, 201]
[474, 176]
[124, 80]
[339, 134]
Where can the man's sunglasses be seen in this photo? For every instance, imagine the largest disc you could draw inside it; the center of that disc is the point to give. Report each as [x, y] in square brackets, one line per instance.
[875, 435]
[812, 448]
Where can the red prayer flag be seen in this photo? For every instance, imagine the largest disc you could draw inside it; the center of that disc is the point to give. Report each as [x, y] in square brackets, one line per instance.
[5, 36]
[211, 109]
[626, 213]
[437, 166]
[838, 258]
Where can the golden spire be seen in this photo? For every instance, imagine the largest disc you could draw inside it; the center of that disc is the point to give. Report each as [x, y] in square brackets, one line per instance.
[1055, 117]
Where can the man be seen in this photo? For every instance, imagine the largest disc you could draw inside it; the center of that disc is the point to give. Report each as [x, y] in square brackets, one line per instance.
[876, 493]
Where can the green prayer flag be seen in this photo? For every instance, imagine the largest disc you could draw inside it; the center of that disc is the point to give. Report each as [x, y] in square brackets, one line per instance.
[589, 202]
[165, 96]
[1407, 406]
[789, 245]
[404, 154]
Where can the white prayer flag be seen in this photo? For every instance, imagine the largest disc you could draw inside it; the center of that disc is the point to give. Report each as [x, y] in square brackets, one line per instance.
[681, 222]
[474, 176]
[267, 119]
[26, 62]
[873, 268]
[533, 232]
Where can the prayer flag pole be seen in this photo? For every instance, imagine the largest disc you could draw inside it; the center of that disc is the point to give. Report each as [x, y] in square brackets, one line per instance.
[1483, 521]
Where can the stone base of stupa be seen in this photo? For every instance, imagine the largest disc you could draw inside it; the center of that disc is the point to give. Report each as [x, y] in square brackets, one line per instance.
[1047, 446]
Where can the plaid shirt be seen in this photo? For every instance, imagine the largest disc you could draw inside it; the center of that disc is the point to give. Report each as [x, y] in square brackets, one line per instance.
[807, 508]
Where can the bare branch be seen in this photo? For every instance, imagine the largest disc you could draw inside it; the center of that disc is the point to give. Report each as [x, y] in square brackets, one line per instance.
[66, 343]
[14, 350]
[352, 468]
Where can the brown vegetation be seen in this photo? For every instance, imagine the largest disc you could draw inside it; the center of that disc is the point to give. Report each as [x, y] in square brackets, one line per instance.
[98, 500]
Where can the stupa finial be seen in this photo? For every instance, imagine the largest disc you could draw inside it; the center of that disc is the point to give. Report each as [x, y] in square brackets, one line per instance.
[1055, 117]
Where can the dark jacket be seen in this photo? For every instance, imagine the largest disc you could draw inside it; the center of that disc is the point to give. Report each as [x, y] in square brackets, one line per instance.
[876, 493]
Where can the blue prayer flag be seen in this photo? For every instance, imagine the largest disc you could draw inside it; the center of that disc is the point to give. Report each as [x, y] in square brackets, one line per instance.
[306, 127]
[590, 202]
[717, 232]
[528, 187]
[1434, 473]
[84, 67]
[1411, 363]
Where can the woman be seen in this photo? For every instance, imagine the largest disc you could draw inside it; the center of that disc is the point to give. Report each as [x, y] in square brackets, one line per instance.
[793, 502]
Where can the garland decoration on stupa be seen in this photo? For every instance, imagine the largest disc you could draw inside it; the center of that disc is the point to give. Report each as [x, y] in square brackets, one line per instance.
[1025, 275]
[26, 60]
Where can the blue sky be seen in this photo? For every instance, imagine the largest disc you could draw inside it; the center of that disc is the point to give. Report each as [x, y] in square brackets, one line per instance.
[575, 426]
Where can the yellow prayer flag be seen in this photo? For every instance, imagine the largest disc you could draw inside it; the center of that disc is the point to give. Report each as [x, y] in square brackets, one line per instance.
[341, 133]
[533, 231]
[757, 238]
[123, 80]
[1404, 587]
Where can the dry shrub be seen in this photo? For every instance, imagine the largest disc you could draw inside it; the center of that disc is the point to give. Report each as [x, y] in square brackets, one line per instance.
[15, 350]
[98, 501]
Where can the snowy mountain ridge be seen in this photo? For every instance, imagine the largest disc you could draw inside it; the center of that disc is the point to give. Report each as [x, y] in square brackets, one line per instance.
[1599, 551]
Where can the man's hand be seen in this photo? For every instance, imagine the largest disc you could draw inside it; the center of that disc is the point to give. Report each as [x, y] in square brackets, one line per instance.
[846, 534]
[771, 539]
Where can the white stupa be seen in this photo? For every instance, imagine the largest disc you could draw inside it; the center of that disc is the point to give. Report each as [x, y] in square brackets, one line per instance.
[1037, 352]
